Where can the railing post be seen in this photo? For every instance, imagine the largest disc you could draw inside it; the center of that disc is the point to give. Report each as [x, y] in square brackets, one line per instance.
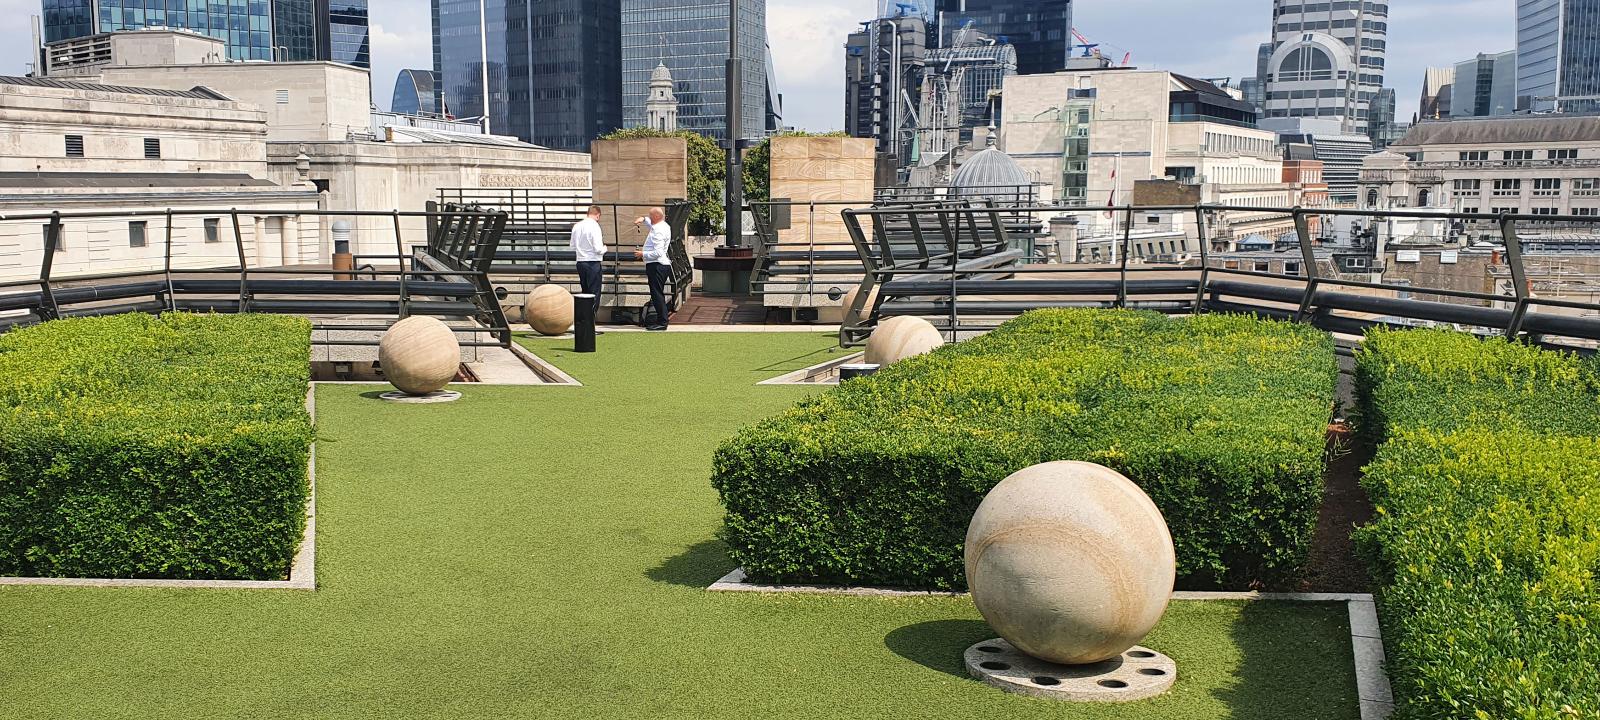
[1205, 258]
[1127, 247]
[244, 265]
[402, 260]
[811, 245]
[1519, 275]
[955, 293]
[48, 310]
[172, 295]
[1308, 258]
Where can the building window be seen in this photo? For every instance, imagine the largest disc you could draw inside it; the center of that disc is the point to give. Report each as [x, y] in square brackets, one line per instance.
[213, 230]
[1516, 156]
[1468, 188]
[136, 233]
[1565, 154]
[1262, 267]
[1546, 187]
[1469, 210]
[1478, 156]
[1585, 187]
[152, 148]
[1291, 268]
[74, 146]
[1544, 211]
[1507, 188]
[1586, 212]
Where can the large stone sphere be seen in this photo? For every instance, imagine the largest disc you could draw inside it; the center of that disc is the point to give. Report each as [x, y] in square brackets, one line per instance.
[419, 355]
[866, 308]
[1070, 562]
[548, 310]
[901, 337]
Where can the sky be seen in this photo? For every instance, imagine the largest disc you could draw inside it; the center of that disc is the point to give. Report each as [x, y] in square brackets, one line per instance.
[1203, 38]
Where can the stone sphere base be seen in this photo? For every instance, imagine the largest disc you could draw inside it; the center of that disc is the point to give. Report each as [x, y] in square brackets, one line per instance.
[442, 396]
[1138, 674]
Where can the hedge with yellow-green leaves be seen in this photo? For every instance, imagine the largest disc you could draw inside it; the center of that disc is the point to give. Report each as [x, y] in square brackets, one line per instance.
[143, 447]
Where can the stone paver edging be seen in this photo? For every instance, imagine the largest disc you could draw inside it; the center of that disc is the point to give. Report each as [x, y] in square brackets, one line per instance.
[1366, 639]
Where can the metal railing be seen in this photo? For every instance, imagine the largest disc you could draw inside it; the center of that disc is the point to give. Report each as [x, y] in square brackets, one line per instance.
[444, 277]
[963, 301]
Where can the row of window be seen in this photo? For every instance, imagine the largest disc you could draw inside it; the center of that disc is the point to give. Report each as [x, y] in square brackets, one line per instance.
[74, 143]
[1542, 187]
[137, 233]
[1517, 155]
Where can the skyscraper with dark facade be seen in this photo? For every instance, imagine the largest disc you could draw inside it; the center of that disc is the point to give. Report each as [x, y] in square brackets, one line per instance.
[554, 67]
[691, 38]
[289, 30]
[1041, 30]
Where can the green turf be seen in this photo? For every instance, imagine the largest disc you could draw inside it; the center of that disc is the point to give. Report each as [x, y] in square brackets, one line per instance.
[541, 553]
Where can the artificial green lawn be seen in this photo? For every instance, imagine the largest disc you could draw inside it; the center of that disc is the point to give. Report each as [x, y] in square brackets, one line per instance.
[541, 552]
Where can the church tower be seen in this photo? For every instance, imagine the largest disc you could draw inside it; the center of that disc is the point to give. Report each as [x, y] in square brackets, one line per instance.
[661, 106]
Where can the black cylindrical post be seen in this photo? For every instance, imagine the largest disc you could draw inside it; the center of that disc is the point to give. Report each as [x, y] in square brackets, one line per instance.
[583, 323]
[733, 184]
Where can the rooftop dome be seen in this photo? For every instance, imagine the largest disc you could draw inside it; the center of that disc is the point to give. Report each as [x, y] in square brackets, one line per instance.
[987, 173]
[661, 73]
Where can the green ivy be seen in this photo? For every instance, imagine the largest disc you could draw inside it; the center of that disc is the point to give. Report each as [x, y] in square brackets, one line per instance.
[142, 447]
[707, 172]
[1221, 419]
[1486, 545]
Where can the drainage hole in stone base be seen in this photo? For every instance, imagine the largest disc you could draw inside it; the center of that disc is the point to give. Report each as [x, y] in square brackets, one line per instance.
[1154, 672]
[1113, 684]
[1141, 654]
[991, 665]
[988, 649]
[1046, 681]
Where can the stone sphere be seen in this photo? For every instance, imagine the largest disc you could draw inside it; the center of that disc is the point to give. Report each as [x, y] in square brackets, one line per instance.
[866, 309]
[513, 313]
[901, 337]
[419, 355]
[1070, 562]
[548, 310]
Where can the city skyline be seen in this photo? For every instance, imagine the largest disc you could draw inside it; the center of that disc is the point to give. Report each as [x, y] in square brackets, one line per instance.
[808, 37]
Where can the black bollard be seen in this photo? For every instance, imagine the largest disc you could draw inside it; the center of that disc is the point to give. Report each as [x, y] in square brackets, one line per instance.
[583, 311]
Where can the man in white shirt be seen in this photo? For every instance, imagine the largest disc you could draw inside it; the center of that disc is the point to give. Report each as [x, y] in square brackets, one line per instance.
[590, 245]
[658, 262]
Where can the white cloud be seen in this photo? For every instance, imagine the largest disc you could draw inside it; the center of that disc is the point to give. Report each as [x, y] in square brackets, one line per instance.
[808, 47]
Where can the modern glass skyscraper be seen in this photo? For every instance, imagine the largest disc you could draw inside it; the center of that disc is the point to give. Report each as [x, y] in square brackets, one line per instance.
[413, 94]
[245, 25]
[691, 38]
[347, 39]
[1041, 30]
[253, 29]
[554, 67]
[1558, 55]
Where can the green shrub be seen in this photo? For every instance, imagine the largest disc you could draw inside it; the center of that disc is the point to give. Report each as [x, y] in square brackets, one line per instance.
[143, 447]
[1487, 541]
[1221, 419]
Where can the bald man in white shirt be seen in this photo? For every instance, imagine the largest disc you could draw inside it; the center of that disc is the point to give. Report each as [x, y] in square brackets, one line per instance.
[657, 262]
[590, 245]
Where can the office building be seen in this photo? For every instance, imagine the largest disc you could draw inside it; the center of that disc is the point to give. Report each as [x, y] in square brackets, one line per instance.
[554, 67]
[960, 86]
[1316, 80]
[884, 68]
[1558, 55]
[414, 94]
[1381, 125]
[690, 37]
[1485, 86]
[1040, 30]
[1340, 156]
[1438, 92]
[289, 30]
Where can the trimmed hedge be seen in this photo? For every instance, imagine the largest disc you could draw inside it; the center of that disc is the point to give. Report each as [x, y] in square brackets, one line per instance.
[143, 447]
[1221, 419]
[1486, 546]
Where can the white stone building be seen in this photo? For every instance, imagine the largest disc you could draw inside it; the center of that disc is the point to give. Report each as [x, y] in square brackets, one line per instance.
[82, 147]
[1538, 165]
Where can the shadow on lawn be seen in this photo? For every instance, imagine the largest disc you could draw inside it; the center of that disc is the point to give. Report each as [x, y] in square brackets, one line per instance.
[698, 566]
[1289, 668]
[938, 644]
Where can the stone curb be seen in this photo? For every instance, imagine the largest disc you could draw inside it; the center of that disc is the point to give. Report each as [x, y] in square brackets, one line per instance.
[1366, 638]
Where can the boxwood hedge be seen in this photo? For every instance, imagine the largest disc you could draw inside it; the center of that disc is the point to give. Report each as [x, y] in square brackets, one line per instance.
[144, 447]
[1486, 546]
[1221, 419]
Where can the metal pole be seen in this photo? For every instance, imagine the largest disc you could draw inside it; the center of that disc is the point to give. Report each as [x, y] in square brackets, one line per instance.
[483, 48]
[1122, 268]
[172, 295]
[244, 267]
[734, 183]
[1308, 260]
[401, 258]
[1519, 275]
[1205, 258]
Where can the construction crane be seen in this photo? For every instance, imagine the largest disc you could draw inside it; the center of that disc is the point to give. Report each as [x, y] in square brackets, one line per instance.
[1092, 49]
